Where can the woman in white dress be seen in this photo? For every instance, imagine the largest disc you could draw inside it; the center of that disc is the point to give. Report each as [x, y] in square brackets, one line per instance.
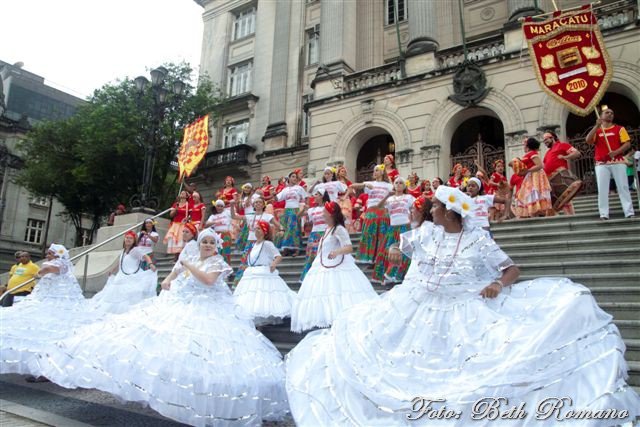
[261, 292]
[456, 334]
[334, 281]
[51, 312]
[147, 238]
[186, 353]
[130, 284]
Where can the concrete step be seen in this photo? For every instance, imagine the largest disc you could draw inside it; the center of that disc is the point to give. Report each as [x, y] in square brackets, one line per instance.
[634, 373]
[629, 329]
[622, 310]
[633, 349]
[598, 280]
[587, 255]
[616, 294]
[566, 242]
[567, 225]
[611, 233]
[567, 268]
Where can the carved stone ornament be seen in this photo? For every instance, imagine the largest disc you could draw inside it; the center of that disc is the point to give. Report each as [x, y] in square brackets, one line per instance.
[469, 85]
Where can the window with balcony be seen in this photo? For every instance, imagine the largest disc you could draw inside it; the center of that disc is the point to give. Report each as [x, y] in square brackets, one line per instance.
[313, 45]
[244, 23]
[33, 233]
[235, 134]
[240, 79]
[402, 11]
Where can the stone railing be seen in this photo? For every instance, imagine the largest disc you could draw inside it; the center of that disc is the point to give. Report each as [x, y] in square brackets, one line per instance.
[371, 77]
[236, 155]
[618, 14]
[485, 49]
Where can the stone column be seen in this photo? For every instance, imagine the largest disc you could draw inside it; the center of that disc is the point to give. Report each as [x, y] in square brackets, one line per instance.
[423, 26]
[520, 8]
[338, 25]
[276, 134]
[430, 162]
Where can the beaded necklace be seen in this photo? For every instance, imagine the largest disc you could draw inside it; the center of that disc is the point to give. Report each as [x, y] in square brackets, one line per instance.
[327, 233]
[453, 257]
[252, 264]
[122, 255]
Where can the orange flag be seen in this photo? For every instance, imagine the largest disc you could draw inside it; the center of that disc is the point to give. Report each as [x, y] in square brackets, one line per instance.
[194, 146]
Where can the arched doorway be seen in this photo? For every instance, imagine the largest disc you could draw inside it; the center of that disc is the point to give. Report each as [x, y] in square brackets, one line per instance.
[480, 140]
[626, 114]
[371, 154]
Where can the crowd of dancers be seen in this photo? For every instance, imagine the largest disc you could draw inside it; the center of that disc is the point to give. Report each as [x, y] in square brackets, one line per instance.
[455, 329]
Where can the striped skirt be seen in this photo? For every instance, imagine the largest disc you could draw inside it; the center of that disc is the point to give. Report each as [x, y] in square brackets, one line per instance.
[312, 251]
[227, 243]
[292, 237]
[173, 238]
[374, 227]
[244, 262]
[241, 241]
[394, 272]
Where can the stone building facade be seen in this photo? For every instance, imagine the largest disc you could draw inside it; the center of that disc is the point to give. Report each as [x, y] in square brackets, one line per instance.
[326, 82]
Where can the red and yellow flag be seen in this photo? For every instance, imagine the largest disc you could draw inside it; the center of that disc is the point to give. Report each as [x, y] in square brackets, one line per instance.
[194, 146]
[570, 58]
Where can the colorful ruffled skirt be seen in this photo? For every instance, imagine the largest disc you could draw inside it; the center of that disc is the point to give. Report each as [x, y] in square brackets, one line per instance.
[241, 241]
[227, 243]
[534, 196]
[173, 238]
[292, 238]
[376, 221]
[392, 272]
[312, 251]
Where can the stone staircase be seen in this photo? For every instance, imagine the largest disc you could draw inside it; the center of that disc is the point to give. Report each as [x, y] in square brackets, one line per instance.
[602, 255]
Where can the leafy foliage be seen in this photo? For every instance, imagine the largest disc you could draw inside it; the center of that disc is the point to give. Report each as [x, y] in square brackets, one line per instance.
[93, 160]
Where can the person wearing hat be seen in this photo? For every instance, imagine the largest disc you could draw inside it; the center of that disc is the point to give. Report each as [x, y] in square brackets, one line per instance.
[148, 237]
[52, 311]
[23, 271]
[261, 292]
[128, 283]
[221, 222]
[458, 331]
[479, 217]
[189, 354]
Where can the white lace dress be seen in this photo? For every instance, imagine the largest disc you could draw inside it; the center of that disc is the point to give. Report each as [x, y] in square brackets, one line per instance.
[186, 353]
[130, 285]
[330, 286]
[262, 293]
[53, 311]
[434, 337]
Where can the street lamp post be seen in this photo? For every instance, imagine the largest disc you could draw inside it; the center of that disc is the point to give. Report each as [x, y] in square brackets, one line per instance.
[145, 201]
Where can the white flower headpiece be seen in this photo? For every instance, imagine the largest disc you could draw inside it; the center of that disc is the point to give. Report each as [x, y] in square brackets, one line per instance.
[59, 251]
[455, 200]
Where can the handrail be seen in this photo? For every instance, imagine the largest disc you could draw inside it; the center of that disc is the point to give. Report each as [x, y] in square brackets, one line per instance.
[80, 255]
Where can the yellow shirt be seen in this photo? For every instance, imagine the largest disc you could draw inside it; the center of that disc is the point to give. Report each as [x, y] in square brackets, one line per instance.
[20, 273]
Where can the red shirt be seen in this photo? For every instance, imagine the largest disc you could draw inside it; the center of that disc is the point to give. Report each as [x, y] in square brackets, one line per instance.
[516, 181]
[196, 212]
[527, 159]
[497, 178]
[362, 201]
[181, 213]
[428, 194]
[392, 174]
[279, 204]
[268, 191]
[226, 194]
[453, 182]
[416, 192]
[617, 136]
[551, 161]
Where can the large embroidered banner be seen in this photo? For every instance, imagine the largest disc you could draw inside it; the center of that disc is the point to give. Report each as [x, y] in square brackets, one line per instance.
[569, 58]
[194, 146]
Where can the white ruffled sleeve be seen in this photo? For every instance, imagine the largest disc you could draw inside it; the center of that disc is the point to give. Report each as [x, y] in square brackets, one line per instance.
[343, 236]
[272, 251]
[411, 239]
[492, 256]
[216, 264]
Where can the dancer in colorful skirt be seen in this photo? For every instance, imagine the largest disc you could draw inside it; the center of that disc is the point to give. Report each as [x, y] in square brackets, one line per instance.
[534, 196]
[268, 193]
[390, 169]
[334, 281]
[293, 196]
[330, 184]
[459, 337]
[188, 354]
[244, 206]
[376, 219]
[251, 219]
[500, 187]
[197, 210]
[316, 217]
[220, 221]
[413, 185]
[456, 180]
[178, 213]
[262, 293]
[128, 283]
[147, 238]
[398, 207]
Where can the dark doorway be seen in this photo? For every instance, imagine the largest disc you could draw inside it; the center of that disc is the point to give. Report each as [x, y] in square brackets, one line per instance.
[371, 154]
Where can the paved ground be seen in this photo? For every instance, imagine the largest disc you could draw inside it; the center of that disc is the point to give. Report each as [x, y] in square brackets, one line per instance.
[38, 404]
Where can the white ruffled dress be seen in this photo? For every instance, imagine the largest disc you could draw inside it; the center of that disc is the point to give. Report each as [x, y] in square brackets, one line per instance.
[53, 311]
[129, 286]
[330, 286]
[261, 293]
[186, 354]
[434, 337]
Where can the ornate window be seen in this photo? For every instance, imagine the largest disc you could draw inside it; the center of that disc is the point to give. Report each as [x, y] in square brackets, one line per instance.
[33, 233]
[390, 17]
[240, 79]
[244, 23]
[235, 134]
